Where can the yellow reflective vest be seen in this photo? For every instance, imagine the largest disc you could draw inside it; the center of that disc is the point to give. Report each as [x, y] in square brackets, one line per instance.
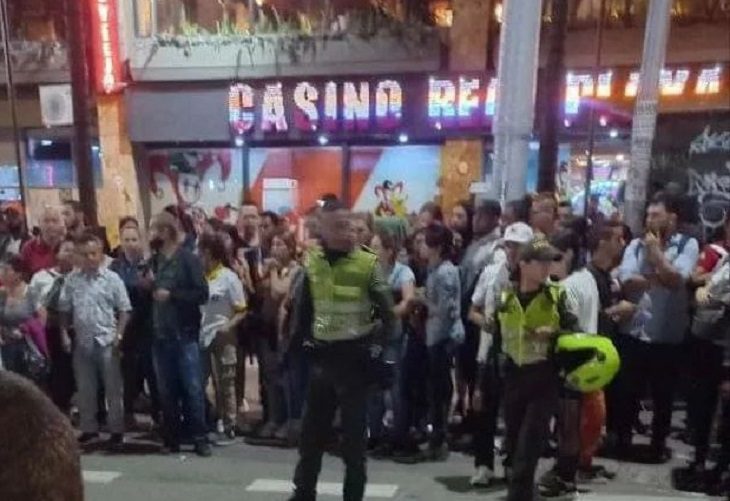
[516, 324]
[342, 306]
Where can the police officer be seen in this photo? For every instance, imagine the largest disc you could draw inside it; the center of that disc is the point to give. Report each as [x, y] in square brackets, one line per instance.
[341, 290]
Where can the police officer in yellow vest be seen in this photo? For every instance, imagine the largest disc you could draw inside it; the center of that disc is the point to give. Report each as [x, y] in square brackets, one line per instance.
[342, 290]
[529, 316]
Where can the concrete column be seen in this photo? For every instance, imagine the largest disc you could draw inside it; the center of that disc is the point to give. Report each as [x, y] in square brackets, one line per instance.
[461, 160]
[119, 195]
[645, 110]
[515, 107]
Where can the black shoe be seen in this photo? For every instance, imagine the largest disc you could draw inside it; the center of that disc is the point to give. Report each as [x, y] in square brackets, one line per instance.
[85, 438]
[659, 454]
[552, 486]
[170, 448]
[203, 449]
[116, 441]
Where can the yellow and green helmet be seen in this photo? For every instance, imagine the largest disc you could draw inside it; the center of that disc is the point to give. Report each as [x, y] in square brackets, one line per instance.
[587, 362]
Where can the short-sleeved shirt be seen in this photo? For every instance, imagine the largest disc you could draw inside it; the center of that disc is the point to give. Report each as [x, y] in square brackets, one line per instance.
[662, 314]
[94, 299]
[400, 275]
[582, 299]
[225, 299]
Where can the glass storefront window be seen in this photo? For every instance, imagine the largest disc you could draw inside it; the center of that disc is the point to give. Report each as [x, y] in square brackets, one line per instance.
[207, 179]
[289, 181]
[393, 180]
[9, 183]
[37, 20]
[50, 164]
[243, 17]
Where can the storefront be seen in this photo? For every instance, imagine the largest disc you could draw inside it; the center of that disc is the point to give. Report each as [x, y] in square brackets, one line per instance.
[374, 142]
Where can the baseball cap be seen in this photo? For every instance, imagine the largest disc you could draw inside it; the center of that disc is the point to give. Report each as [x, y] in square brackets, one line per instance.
[518, 233]
[539, 249]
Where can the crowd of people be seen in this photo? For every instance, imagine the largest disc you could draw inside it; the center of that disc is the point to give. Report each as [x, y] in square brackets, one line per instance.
[411, 337]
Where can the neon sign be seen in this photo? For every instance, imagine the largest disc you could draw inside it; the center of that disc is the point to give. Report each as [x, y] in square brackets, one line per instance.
[105, 36]
[435, 104]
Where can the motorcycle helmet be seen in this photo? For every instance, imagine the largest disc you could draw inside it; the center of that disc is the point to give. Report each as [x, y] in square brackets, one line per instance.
[587, 362]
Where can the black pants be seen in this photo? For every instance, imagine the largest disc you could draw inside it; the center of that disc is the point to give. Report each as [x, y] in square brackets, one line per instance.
[491, 384]
[137, 367]
[337, 379]
[413, 394]
[706, 372]
[467, 368]
[569, 411]
[440, 390]
[61, 382]
[530, 399]
[645, 364]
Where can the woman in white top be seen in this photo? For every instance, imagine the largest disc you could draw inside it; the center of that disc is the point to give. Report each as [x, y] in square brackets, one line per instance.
[224, 310]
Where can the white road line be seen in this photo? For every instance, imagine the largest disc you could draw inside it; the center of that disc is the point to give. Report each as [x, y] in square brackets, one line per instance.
[100, 477]
[373, 491]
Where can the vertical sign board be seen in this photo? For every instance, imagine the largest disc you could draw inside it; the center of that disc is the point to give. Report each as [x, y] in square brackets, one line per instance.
[105, 43]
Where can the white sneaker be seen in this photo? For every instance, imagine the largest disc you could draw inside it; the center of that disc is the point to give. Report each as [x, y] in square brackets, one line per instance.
[483, 477]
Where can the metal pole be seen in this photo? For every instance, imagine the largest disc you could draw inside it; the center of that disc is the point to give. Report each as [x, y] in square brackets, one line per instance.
[77, 27]
[13, 104]
[592, 111]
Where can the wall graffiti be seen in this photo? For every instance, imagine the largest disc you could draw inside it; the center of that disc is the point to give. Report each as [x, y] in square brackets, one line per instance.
[709, 177]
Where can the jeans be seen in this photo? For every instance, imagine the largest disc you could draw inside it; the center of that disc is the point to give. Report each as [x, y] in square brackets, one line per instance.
[220, 360]
[337, 379]
[270, 379]
[530, 401]
[440, 389]
[491, 382]
[413, 396]
[294, 380]
[382, 399]
[642, 364]
[137, 367]
[90, 366]
[179, 381]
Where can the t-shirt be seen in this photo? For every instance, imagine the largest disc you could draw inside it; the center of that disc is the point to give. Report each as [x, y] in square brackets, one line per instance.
[400, 275]
[711, 256]
[582, 300]
[225, 299]
[37, 255]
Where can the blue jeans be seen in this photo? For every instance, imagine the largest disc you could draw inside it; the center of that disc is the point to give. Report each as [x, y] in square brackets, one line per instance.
[294, 381]
[179, 381]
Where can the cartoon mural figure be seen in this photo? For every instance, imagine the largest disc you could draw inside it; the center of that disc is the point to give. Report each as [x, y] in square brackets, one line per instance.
[392, 200]
[185, 171]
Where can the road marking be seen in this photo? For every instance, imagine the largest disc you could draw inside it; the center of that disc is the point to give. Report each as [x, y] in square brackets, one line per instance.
[374, 491]
[100, 477]
[635, 497]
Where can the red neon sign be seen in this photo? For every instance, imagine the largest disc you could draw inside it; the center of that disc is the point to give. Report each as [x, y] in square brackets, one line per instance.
[105, 33]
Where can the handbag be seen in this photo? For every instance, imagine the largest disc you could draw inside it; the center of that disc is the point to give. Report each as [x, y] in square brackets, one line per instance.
[35, 364]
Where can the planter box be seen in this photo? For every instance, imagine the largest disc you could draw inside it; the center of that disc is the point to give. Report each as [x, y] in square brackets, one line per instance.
[218, 58]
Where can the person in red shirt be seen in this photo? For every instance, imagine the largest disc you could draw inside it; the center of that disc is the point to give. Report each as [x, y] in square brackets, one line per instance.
[40, 252]
[712, 254]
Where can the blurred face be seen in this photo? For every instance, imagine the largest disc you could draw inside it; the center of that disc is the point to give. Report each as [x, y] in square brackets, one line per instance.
[542, 216]
[227, 240]
[614, 246]
[130, 241]
[535, 271]
[459, 218]
[69, 216]
[267, 225]
[564, 213]
[159, 234]
[561, 269]
[336, 230]
[458, 240]
[66, 255]
[384, 255]
[248, 218]
[419, 246]
[362, 232]
[10, 277]
[206, 260]
[659, 220]
[52, 227]
[484, 223]
[512, 249]
[92, 256]
[424, 219]
[279, 250]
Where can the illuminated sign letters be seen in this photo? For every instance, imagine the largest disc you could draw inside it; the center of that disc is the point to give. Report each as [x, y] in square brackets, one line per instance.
[105, 43]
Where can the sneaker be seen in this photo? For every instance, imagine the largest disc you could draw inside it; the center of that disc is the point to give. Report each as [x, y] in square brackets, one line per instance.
[85, 438]
[116, 441]
[224, 438]
[203, 449]
[483, 477]
[552, 486]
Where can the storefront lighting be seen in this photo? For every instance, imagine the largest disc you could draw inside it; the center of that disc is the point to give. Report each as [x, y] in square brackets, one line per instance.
[613, 133]
[438, 126]
[323, 140]
[708, 82]
[567, 123]
[403, 138]
[356, 105]
[534, 145]
[603, 121]
[273, 115]
[46, 142]
[620, 157]
[239, 141]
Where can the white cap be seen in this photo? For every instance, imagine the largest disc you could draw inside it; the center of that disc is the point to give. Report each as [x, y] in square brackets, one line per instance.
[518, 233]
